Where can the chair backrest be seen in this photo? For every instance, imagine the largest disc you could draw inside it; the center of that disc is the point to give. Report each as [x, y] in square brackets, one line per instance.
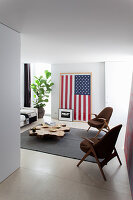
[106, 145]
[106, 113]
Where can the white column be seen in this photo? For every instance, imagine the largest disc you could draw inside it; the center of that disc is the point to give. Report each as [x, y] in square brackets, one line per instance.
[9, 101]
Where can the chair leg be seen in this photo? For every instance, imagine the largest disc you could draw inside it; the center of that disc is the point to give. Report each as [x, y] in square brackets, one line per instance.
[99, 130]
[107, 126]
[105, 131]
[89, 128]
[84, 157]
[118, 156]
[102, 172]
[99, 165]
[98, 133]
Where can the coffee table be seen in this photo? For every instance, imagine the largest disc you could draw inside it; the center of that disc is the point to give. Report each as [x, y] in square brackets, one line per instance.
[46, 130]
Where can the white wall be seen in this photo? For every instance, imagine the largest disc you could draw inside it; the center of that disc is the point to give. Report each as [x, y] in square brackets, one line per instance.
[118, 76]
[9, 101]
[98, 84]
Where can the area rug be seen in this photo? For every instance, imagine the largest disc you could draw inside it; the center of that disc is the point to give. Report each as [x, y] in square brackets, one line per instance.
[67, 146]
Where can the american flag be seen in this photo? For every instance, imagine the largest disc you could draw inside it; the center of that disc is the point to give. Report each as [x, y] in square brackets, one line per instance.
[75, 93]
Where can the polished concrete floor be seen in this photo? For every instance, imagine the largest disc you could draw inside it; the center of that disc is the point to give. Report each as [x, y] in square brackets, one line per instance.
[48, 177]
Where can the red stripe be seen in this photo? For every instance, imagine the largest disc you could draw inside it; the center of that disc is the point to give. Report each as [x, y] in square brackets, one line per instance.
[89, 107]
[79, 117]
[66, 91]
[62, 83]
[70, 100]
[74, 107]
[84, 108]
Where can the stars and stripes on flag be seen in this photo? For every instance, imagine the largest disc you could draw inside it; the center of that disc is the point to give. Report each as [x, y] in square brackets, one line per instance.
[75, 93]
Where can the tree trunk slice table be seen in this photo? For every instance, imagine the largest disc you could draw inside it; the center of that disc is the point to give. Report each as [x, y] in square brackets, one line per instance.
[42, 130]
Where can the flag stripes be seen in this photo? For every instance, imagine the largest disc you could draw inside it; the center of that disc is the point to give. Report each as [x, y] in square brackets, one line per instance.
[62, 84]
[70, 100]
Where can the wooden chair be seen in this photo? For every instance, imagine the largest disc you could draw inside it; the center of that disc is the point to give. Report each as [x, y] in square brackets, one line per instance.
[101, 120]
[103, 148]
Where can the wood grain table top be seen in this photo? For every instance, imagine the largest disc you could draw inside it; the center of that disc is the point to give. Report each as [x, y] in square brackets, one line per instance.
[44, 129]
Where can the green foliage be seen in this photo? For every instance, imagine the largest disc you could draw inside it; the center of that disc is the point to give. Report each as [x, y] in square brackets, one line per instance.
[42, 88]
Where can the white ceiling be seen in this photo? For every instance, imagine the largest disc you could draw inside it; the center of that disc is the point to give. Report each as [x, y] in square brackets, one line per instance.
[68, 31]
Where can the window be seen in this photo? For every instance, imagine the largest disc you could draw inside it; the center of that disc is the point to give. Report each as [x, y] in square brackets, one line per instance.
[37, 69]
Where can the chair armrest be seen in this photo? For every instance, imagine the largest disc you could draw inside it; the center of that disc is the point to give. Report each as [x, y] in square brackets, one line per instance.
[102, 119]
[94, 114]
[88, 140]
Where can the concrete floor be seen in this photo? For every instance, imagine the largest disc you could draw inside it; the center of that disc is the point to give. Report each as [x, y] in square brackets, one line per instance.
[48, 177]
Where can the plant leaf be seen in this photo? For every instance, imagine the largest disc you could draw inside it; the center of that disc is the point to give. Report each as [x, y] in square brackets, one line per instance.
[45, 100]
[47, 74]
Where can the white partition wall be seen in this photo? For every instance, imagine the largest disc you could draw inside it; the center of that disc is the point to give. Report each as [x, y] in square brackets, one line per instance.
[118, 76]
[9, 101]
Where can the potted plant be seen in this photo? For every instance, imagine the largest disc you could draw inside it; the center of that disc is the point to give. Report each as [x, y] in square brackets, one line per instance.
[42, 88]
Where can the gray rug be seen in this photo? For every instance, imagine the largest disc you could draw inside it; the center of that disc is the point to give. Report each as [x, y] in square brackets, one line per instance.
[68, 146]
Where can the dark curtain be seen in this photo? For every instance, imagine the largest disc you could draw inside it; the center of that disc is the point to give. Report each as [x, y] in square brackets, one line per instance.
[27, 82]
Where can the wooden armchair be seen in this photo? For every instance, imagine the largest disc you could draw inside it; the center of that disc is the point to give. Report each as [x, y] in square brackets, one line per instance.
[101, 120]
[103, 148]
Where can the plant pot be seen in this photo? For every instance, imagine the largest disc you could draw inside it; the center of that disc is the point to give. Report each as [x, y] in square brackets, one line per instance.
[41, 112]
